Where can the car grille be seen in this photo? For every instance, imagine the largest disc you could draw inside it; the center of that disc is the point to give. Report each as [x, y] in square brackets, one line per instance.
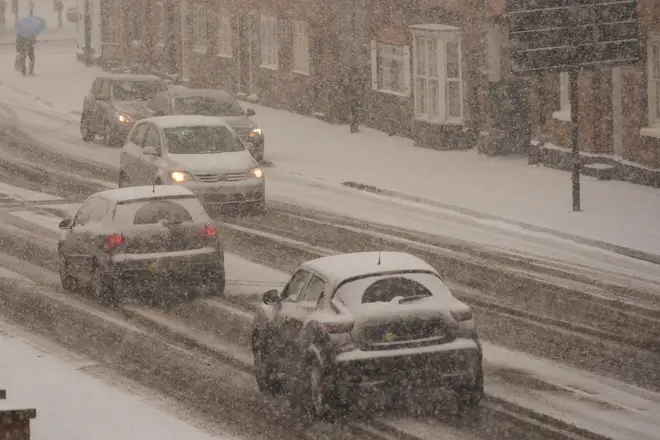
[210, 178]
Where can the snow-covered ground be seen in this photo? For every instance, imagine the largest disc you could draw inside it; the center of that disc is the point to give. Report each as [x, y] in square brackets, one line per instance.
[459, 193]
[74, 405]
[596, 403]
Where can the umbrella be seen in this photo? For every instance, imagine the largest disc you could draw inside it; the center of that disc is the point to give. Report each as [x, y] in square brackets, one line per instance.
[30, 26]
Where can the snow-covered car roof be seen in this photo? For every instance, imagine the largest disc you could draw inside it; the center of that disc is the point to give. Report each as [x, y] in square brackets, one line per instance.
[129, 77]
[133, 193]
[186, 92]
[338, 268]
[186, 121]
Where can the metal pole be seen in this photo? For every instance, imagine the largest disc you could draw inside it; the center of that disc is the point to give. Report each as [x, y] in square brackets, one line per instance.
[87, 29]
[575, 138]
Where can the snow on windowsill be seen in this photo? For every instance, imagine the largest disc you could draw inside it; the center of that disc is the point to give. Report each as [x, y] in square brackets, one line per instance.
[199, 49]
[650, 132]
[562, 116]
[300, 72]
[160, 45]
[391, 92]
[136, 43]
[438, 122]
[269, 66]
[223, 55]
[253, 97]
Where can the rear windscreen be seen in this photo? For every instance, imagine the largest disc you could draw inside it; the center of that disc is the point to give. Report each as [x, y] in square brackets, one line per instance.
[145, 212]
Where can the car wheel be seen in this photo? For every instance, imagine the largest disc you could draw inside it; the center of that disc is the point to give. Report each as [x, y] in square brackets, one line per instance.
[109, 138]
[87, 134]
[258, 208]
[68, 282]
[319, 396]
[263, 370]
[122, 181]
[104, 288]
[216, 285]
[470, 397]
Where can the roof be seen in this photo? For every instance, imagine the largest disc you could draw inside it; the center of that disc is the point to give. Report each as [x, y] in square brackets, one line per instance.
[180, 92]
[144, 192]
[186, 121]
[129, 77]
[338, 268]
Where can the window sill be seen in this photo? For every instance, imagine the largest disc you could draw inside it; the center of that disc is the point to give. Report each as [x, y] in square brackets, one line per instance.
[269, 66]
[199, 49]
[650, 132]
[136, 43]
[160, 45]
[300, 72]
[562, 116]
[223, 55]
[391, 92]
[439, 122]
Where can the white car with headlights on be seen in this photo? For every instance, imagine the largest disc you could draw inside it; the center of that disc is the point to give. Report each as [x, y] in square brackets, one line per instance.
[201, 153]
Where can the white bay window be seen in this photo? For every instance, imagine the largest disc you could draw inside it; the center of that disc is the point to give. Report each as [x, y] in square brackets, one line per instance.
[438, 85]
[300, 47]
[390, 68]
[269, 42]
[199, 20]
[564, 112]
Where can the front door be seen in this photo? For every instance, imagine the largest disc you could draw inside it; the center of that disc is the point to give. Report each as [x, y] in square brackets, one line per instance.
[131, 154]
[72, 247]
[283, 313]
[149, 164]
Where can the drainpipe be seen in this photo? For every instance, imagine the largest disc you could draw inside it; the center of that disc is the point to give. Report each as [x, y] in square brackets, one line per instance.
[88, 34]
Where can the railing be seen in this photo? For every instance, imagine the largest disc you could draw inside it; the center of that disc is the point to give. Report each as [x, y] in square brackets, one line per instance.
[15, 423]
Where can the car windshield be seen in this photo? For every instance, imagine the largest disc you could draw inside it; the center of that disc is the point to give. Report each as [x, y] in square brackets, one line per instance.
[384, 288]
[207, 106]
[135, 90]
[202, 140]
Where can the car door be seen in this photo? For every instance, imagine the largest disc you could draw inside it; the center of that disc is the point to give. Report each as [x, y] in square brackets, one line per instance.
[72, 245]
[159, 105]
[88, 235]
[292, 329]
[284, 309]
[101, 103]
[131, 154]
[149, 164]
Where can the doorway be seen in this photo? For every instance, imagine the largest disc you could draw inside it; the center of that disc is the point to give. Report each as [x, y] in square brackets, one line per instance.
[617, 112]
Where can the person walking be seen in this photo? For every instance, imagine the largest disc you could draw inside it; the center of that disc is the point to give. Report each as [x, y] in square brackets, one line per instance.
[59, 8]
[3, 13]
[25, 49]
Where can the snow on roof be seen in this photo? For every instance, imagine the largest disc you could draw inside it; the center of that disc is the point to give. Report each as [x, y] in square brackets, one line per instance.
[183, 92]
[186, 121]
[144, 192]
[129, 77]
[338, 268]
[435, 27]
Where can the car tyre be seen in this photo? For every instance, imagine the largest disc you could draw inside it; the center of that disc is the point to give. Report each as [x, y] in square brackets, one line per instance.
[320, 394]
[104, 288]
[216, 286]
[469, 398]
[87, 134]
[69, 282]
[263, 369]
[109, 138]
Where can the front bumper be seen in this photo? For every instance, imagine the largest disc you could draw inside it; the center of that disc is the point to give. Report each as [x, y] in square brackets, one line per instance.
[449, 365]
[168, 269]
[229, 193]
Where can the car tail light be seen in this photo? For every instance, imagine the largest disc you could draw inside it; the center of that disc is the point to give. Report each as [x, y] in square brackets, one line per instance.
[114, 242]
[208, 231]
[462, 315]
[338, 327]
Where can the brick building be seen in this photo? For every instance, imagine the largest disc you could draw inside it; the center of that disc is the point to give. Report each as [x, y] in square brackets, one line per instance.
[433, 70]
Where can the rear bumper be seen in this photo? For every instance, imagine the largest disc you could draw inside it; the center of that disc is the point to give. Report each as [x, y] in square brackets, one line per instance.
[192, 268]
[450, 365]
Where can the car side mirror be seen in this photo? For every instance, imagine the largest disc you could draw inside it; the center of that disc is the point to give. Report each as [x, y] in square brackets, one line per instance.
[159, 113]
[250, 112]
[150, 151]
[249, 145]
[271, 297]
[67, 223]
[102, 98]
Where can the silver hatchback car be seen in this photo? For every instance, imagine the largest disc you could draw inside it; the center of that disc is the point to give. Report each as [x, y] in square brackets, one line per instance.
[201, 153]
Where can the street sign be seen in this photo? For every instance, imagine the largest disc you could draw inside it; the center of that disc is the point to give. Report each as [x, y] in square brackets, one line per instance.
[564, 35]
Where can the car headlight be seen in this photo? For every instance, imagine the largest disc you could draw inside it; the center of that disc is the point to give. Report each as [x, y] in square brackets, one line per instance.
[255, 132]
[123, 117]
[181, 176]
[256, 173]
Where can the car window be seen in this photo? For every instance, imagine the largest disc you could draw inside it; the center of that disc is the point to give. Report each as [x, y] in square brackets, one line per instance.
[295, 286]
[98, 210]
[82, 216]
[207, 106]
[127, 90]
[173, 210]
[153, 138]
[96, 87]
[384, 288]
[104, 88]
[202, 140]
[159, 102]
[138, 134]
[314, 289]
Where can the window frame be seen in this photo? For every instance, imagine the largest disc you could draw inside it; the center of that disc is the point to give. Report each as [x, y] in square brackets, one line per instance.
[269, 42]
[378, 54]
[200, 37]
[300, 48]
[436, 70]
[285, 295]
[653, 80]
[564, 112]
[224, 33]
[161, 25]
